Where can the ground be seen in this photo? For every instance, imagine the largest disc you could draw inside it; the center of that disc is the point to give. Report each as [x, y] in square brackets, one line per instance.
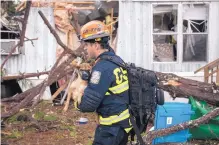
[46, 124]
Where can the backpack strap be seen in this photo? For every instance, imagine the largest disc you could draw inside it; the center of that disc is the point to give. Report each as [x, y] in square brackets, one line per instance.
[115, 60]
[140, 102]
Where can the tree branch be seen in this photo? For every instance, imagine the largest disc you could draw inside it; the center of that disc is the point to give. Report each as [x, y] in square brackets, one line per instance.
[66, 49]
[31, 41]
[189, 124]
[57, 36]
[10, 54]
[24, 23]
[182, 87]
[74, 22]
[24, 76]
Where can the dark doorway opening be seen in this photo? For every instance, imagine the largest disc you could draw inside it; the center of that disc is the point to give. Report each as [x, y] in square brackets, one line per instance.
[10, 88]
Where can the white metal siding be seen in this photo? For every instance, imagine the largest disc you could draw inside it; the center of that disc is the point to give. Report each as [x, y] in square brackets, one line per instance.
[214, 31]
[42, 55]
[135, 37]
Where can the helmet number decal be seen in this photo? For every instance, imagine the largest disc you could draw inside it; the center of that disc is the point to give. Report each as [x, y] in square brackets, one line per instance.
[91, 31]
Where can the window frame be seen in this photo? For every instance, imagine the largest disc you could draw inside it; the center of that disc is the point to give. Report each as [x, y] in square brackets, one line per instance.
[179, 33]
[206, 33]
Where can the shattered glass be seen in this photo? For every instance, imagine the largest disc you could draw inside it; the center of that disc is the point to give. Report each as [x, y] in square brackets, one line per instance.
[195, 47]
[195, 28]
[164, 18]
[164, 21]
[164, 48]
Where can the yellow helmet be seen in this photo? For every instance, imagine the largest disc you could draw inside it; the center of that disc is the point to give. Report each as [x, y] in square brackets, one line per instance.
[94, 30]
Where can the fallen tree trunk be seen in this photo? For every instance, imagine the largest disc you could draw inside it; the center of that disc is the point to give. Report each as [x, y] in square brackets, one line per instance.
[191, 85]
[28, 96]
[24, 76]
[181, 87]
[189, 124]
[185, 87]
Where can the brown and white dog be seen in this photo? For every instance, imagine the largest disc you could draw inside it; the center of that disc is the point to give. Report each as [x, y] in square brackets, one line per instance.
[77, 86]
[76, 90]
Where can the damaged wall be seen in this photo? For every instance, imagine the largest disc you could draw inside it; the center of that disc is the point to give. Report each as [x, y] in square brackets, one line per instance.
[39, 57]
[134, 33]
[42, 55]
[135, 42]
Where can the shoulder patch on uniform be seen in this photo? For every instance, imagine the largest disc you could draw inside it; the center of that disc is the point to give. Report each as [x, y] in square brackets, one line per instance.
[95, 77]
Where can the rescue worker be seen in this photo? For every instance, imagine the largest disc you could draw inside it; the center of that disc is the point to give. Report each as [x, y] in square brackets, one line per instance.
[107, 83]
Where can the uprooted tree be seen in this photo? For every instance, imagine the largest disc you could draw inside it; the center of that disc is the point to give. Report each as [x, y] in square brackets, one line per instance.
[175, 85]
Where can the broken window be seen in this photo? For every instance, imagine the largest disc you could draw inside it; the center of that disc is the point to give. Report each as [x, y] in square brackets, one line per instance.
[164, 48]
[165, 33]
[9, 36]
[8, 40]
[195, 33]
[193, 30]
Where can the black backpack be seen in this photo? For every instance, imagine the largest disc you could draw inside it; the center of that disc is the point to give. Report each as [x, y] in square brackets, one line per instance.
[144, 95]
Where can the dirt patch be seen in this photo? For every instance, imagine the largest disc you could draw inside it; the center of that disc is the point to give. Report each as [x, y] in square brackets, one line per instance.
[48, 125]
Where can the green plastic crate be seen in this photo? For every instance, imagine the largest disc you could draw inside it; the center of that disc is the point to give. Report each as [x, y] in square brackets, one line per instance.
[206, 131]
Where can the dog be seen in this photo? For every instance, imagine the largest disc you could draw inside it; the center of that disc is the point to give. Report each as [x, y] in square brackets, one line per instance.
[75, 90]
[77, 86]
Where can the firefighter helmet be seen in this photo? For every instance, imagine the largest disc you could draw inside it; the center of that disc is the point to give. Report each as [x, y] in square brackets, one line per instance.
[94, 30]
